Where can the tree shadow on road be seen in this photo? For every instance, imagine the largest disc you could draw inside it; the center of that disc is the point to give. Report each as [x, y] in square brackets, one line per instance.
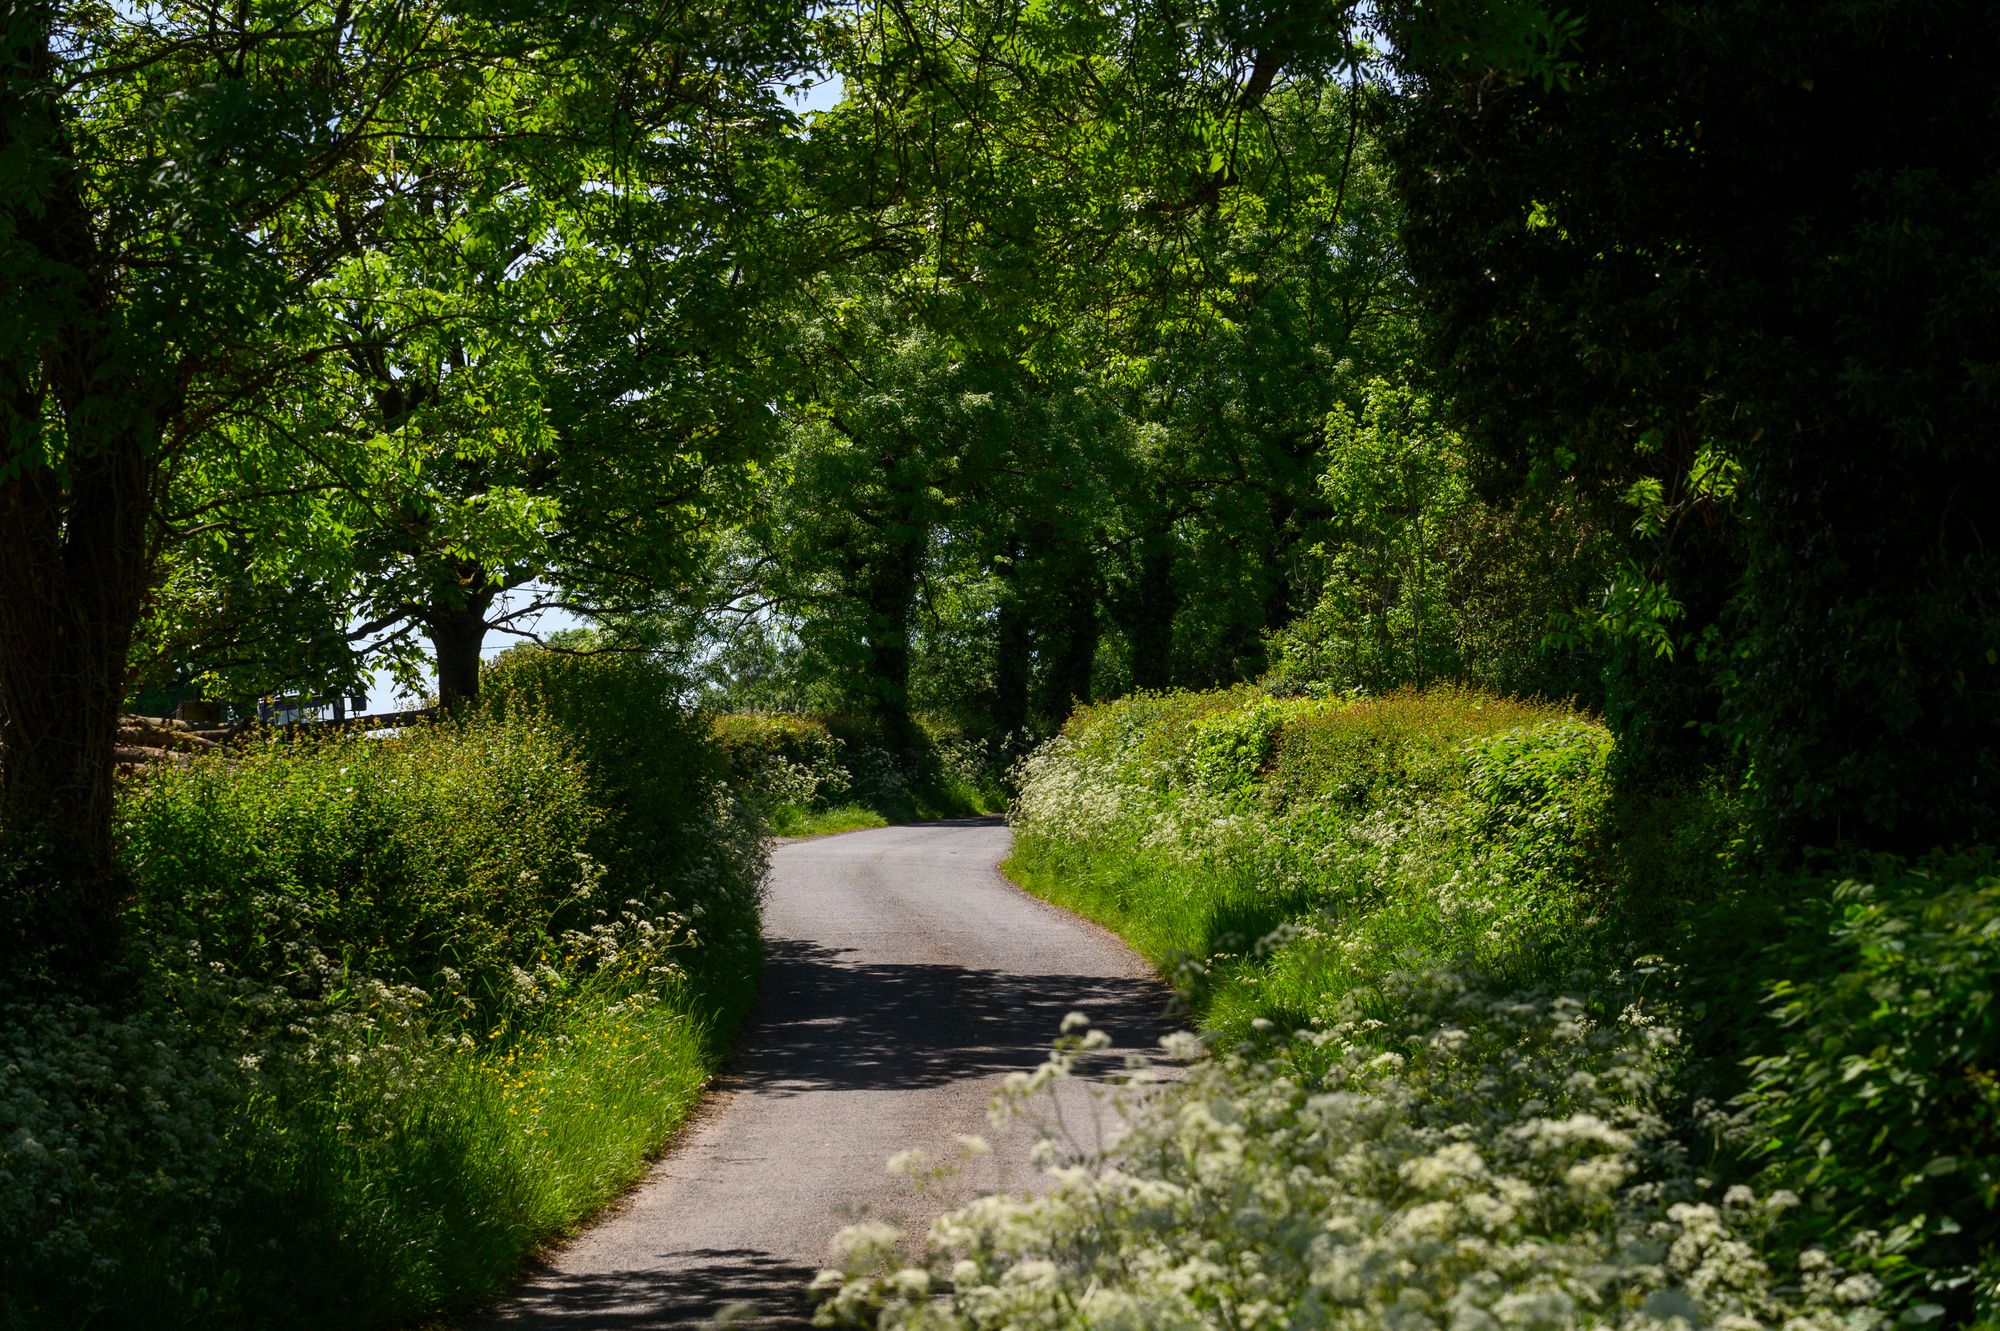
[688, 1296]
[827, 1023]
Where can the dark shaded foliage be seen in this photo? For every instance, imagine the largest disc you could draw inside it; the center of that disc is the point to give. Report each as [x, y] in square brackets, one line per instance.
[1755, 236]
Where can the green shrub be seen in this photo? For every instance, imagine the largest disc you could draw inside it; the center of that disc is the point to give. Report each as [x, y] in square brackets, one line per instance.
[1882, 1103]
[812, 775]
[790, 768]
[413, 1007]
[1374, 749]
[1277, 855]
[656, 769]
[749, 740]
[1544, 791]
[460, 846]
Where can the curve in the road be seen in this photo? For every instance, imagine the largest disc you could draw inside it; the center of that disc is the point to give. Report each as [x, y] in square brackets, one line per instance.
[904, 978]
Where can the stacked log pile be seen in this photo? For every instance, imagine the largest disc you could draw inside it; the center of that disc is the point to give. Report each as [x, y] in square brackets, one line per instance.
[145, 740]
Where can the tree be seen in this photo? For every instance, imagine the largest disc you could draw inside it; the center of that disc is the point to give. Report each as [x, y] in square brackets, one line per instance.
[1144, 241]
[1728, 276]
[545, 380]
[180, 181]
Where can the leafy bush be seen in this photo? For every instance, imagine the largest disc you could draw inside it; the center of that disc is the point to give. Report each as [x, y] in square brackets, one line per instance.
[1276, 854]
[751, 743]
[413, 1006]
[1374, 750]
[657, 770]
[811, 775]
[1882, 1104]
[456, 846]
[1424, 579]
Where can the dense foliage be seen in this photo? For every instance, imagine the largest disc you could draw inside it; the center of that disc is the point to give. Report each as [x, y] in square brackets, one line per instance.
[814, 775]
[1726, 277]
[1447, 1086]
[1382, 368]
[1009, 478]
[410, 1007]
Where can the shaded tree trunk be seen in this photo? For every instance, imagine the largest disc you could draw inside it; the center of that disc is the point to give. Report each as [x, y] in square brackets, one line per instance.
[73, 577]
[1012, 666]
[1151, 615]
[1074, 657]
[457, 632]
[888, 593]
[76, 533]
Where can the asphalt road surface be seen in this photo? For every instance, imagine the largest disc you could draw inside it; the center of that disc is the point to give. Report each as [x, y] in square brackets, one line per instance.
[904, 978]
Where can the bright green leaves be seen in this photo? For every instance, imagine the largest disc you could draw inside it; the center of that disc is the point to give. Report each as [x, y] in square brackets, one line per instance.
[522, 356]
[1396, 488]
[1145, 240]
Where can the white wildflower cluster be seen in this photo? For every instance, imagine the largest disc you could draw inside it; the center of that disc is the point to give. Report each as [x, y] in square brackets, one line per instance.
[1471, 1163]
[1065, 799]
[969, 763]
[87, 1096]
[875, 774]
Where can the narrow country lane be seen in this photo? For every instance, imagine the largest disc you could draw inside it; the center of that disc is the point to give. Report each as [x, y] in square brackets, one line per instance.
[904, 978]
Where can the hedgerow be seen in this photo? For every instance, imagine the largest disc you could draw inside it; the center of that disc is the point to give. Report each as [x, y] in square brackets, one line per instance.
[1276, 853]
[814, 775]
[405, 1008]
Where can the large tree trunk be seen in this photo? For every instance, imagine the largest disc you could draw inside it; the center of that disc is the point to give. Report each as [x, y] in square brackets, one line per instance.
[1074, 654]
[888, 594]
[74, 570]
[76, 511]
[457, 633]
[1012, 666]
[1151, 630]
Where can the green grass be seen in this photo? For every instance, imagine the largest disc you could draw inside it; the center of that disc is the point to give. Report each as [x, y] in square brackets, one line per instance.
[1202, 927]
[792, 820]
[500, 1152]
[789, 820]
[1137, 901]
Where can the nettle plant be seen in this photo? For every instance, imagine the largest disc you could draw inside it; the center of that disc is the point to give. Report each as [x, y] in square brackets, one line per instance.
[1462, 1160]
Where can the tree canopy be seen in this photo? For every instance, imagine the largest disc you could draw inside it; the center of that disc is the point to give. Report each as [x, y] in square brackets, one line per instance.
[1626, 353]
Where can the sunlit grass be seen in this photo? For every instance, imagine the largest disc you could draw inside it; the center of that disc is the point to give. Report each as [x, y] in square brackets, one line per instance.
[789, 820]
[1277, 858]
[503, 1149]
